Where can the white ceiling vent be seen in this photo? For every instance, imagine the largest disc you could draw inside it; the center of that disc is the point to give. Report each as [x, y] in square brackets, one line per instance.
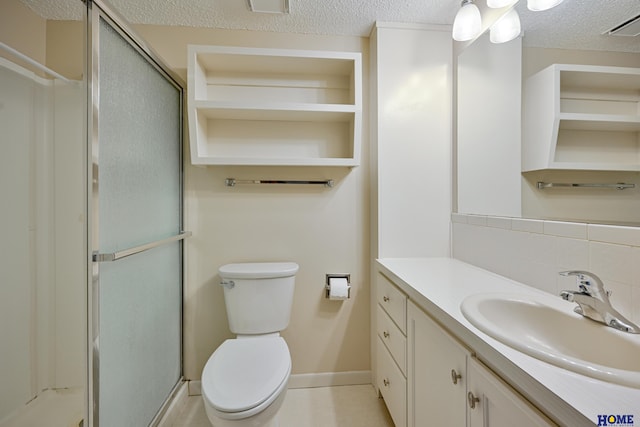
[269, 6]
[630, 27]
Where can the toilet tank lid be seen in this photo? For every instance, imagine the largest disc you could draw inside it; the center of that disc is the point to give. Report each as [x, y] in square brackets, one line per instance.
[258, 270]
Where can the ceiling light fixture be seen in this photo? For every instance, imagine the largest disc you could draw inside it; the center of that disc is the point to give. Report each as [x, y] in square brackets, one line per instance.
[497, 4]
[269, 6]
[468, 22]
[540, 5]
[506, 28]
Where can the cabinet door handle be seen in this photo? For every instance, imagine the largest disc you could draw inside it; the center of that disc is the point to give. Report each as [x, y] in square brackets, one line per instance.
[385, 298]
[386, 382]
[455, 377]
[472, 400]
[385, 334]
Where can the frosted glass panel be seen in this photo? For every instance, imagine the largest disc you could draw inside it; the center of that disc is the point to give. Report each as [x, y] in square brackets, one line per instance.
[139, 130]
[139, 335]
[139, 202]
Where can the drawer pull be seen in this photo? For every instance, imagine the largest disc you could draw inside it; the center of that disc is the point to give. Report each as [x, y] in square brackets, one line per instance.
[385, 334]
[472, 400]
[385, 298]
[386, 382]
[455, 376]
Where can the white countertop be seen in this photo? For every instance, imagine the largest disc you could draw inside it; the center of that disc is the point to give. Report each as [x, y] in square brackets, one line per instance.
[438, 286]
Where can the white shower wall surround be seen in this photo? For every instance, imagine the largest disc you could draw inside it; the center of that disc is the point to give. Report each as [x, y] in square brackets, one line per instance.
[534, 251]
[42, 283]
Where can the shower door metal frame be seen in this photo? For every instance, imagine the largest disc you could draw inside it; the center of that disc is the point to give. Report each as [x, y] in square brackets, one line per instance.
[97, 10]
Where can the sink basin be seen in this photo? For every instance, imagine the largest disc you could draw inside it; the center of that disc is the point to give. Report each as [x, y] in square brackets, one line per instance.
[549, 330]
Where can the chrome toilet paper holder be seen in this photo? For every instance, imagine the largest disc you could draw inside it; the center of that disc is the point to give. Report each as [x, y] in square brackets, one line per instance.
[327, 286]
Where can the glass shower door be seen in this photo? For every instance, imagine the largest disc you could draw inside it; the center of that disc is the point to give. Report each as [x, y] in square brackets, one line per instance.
[137, 216]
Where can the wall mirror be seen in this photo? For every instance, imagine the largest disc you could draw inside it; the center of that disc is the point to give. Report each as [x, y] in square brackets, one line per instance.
[491, 88]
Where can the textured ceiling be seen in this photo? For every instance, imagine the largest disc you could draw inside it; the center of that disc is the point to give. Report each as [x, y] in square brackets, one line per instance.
[574, 24]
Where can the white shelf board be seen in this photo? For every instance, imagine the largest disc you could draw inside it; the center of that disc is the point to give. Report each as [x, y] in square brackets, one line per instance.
[227, 58]
[599, 122]
[275, 111]
[265, 161]
[279, 106]
[594, 166]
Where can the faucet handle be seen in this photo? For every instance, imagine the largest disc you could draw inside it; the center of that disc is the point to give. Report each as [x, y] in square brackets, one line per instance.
[588, 283]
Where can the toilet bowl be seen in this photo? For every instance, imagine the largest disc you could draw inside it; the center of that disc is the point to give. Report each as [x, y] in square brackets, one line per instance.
[245, 380]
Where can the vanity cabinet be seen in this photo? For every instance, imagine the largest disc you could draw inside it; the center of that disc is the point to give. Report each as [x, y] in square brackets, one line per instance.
[437, 373]
[391, 348]
[448, 386]
[493, 403]
[285, 107]
[582, 117]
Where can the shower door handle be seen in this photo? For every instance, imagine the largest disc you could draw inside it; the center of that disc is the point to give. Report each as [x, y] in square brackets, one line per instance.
[115, 256]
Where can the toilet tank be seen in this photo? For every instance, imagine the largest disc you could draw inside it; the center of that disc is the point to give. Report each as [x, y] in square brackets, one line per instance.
[258, 296]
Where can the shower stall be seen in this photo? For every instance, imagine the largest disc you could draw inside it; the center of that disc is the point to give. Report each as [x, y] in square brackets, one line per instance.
[91, 256]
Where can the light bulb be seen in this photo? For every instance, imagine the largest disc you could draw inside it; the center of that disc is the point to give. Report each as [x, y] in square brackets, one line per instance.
[497, 4]
[506, 28]
[540, 5]
[468, 22]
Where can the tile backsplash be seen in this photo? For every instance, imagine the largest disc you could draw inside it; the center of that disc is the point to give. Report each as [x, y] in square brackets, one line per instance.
[534, 251]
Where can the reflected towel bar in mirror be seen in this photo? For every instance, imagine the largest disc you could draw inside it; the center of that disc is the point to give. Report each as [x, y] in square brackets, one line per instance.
[616, 186]
[231, 182]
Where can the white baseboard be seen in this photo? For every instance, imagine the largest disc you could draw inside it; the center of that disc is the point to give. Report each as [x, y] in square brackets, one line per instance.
[329, 379]
[173, 409]
[195, 388]
[325, 379]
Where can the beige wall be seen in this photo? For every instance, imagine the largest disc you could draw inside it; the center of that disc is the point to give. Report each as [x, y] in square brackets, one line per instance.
[323, 230]
[65, 48]
[59, 45]
[22, 30]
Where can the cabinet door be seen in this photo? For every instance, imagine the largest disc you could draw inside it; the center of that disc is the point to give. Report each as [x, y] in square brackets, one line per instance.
[392, 386]
[436, 374]
[492, 403]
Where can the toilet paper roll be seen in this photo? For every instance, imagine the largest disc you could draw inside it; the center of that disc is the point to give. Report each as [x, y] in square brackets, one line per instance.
[338, 288]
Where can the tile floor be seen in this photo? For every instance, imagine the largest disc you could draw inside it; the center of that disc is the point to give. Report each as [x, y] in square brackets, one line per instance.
[343, 406]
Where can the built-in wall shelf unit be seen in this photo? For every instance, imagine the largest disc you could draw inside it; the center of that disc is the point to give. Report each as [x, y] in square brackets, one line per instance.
[582, 117]
[274, 107]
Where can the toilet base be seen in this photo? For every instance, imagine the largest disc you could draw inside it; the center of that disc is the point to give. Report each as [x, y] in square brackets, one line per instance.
[274, 422]
[267, 418]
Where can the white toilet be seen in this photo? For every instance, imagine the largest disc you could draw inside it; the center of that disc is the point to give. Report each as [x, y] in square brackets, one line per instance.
[245, 380]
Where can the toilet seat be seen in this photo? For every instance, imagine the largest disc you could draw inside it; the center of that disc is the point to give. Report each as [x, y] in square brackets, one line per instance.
[245, 375]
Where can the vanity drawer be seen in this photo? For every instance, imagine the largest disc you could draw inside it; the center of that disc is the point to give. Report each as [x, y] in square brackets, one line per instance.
[393, 339]
[392, 385]
[393, 301]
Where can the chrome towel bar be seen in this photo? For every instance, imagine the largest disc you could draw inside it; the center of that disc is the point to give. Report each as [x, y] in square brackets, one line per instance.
[617, 186]
[231, 182]
[115, 256]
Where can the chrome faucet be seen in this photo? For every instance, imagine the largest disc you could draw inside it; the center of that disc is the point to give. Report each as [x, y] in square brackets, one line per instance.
[593, 302]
